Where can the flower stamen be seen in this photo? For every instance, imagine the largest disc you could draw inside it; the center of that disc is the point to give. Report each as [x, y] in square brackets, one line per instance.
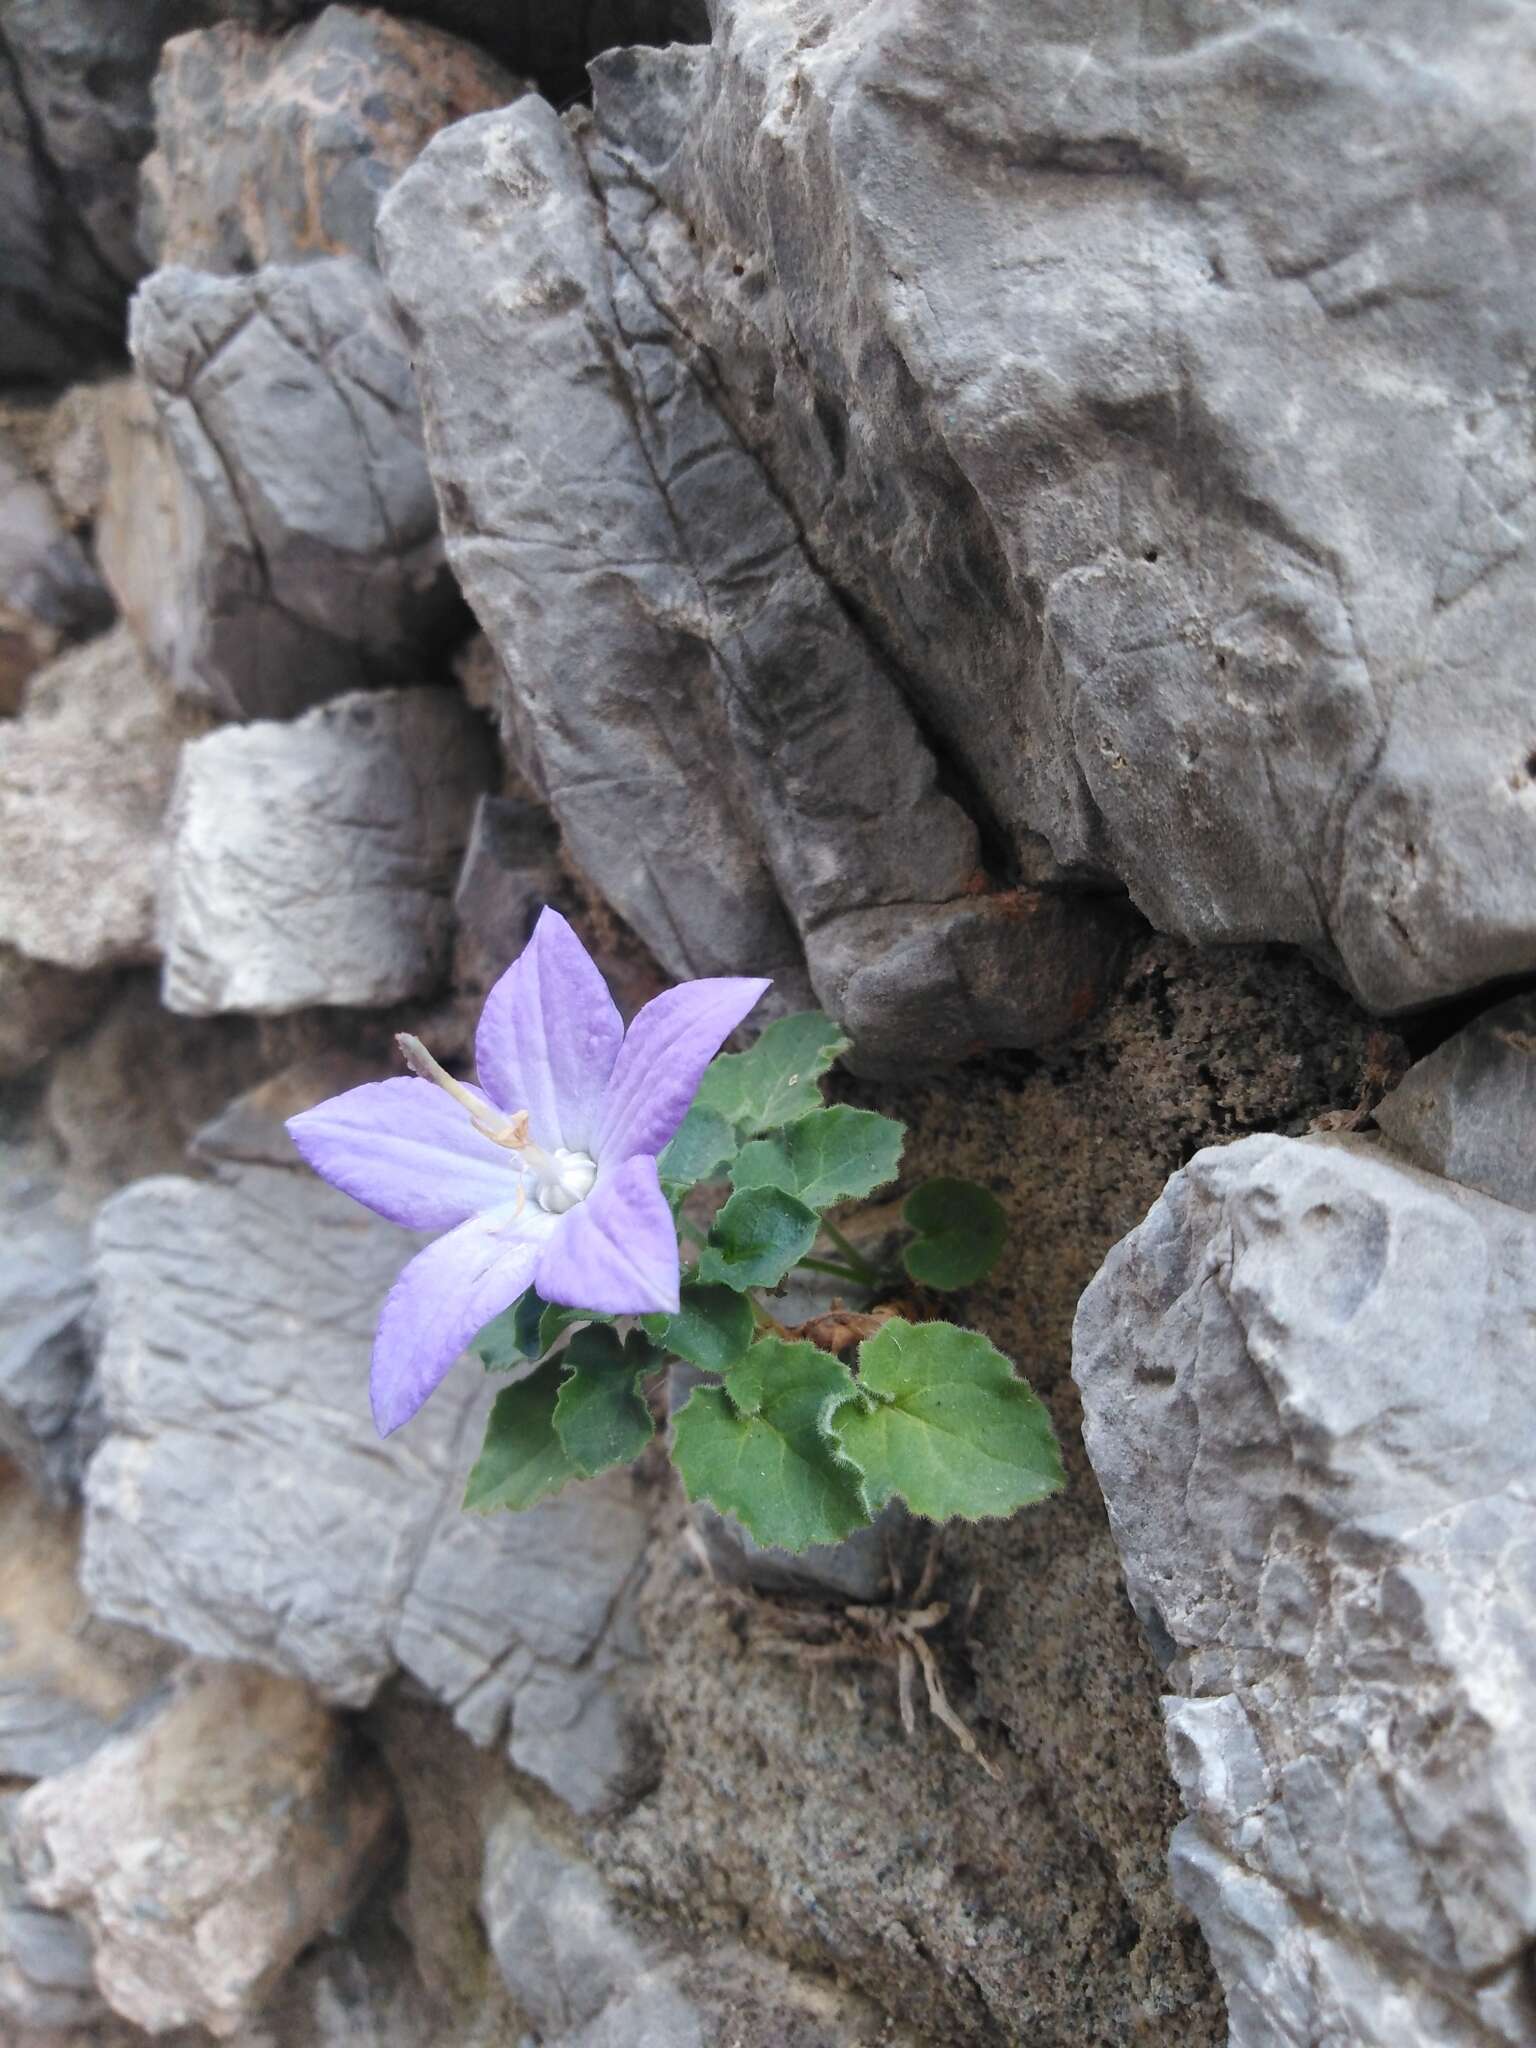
[508, 1131]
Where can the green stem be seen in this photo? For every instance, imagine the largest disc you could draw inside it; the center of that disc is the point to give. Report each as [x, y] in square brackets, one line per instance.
[837, 1272]
[859, 1265]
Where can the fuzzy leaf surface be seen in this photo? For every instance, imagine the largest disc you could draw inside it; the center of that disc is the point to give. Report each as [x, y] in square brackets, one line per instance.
[754, 1446]
[830, 1156]
[601, 1417]
[702, 1147]
[756, 1238]
[512, 1338]
[960, 1231]
[778, 1080]
[523, 1459]
[711, 1330]
[939, 1418]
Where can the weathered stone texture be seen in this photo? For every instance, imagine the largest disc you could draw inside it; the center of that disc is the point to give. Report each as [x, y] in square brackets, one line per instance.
[49, 592]
[205, 1846]
[85, 776]
[308, 559]
[40, 1008]
[724, 746]
[1000, 315]
[45, 1290]
[275, 150]
[1307, 1384]
[1469, 1110]
[244, 1506]
[315, 862]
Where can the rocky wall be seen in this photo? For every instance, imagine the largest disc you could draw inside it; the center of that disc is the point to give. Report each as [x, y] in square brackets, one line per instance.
[1013, 521]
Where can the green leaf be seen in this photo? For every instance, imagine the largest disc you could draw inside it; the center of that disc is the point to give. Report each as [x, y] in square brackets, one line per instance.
[600, 1416]
[556, 1321]
[711, 1330]
[939, 1417]
[778, 1080]
[702, 1147]
[960, 1231]
[523, 1459]
[753, 1447]
[758, 1235]
[829, 1156]
[512, 1338]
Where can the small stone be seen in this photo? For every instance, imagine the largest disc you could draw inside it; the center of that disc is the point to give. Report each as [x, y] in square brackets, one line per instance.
[1469, 1109]
[149, 530]
[85, 777]
[308, 559]
[279, 149]
[49, 592]
[203, 1848]
[510, 872]
[314, 862]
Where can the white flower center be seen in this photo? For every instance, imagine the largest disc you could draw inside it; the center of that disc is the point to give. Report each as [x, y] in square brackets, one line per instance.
[561, 1178]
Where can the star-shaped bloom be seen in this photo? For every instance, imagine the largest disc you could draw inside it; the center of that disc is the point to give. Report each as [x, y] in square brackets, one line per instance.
[544, 1175]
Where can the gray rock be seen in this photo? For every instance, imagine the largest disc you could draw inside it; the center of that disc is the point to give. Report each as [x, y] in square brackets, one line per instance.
[40, 1008]
[716, 733]
[998, 315]
[45, 1958]
[238, 1503]
[45, 1290]
[314, 862]
[85, 777]
[49, 593]
[204, 1847]
[1307, 1382]
[278, 149]
[149, 532]
[307, 518]
[1469, 1110]
[511, 870]
[587, 1977]
[75, 119]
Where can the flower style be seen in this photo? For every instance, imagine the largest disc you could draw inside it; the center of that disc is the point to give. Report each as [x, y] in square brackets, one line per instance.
[544, 1175]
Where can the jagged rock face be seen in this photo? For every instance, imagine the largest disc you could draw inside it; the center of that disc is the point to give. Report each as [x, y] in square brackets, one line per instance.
[337, 838]
[729, 754]
[243, 1505]
[206, 1846]
[309, 539]
[1307, 1382]
[85, 777]
[1185, 488]
[277, 150]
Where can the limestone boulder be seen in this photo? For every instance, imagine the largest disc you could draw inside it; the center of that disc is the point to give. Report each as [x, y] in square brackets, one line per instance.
[308, 560]
[731, 756]
[204, 1847]
[85, 778]
[314, 862]
[998, 316]
[1307, 1381]
[244, 1506]
[277, 149]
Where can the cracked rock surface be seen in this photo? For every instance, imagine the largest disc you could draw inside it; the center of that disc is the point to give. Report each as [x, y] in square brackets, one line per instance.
[999, 315]
[311, 554]
[1307, 1383]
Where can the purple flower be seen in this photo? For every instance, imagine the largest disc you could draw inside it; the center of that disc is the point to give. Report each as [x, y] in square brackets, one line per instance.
[545, 1175]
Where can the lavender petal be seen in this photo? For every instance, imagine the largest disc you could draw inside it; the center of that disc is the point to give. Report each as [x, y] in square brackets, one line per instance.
[443, 1297]
[549, 1036]
[407, 1151]
[617, 1250]
[657, 1074]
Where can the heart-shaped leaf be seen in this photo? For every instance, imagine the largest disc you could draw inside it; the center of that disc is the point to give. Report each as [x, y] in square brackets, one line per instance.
[960, 1231]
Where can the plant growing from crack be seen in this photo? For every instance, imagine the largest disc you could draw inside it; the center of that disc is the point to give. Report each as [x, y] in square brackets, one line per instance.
[571, 1264]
